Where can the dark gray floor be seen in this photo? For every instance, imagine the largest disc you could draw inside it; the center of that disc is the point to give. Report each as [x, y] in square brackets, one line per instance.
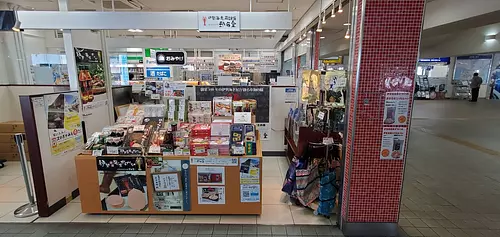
[160, 230]
[452, 176]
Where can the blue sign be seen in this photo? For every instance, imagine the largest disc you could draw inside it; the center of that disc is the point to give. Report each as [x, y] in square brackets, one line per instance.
[482, 56]
[122, 59]
[158, 72]
[444, 60]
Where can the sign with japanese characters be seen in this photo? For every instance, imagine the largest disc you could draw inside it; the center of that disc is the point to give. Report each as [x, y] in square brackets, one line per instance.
[219, 21]
[170, 58]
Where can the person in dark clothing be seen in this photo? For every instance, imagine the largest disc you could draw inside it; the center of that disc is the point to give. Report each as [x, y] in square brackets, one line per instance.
[475, 84]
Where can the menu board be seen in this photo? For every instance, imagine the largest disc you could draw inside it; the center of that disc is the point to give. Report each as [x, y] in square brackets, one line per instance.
[262, 94]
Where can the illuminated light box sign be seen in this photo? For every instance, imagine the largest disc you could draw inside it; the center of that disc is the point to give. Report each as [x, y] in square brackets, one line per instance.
[219, 21]
[170, 58]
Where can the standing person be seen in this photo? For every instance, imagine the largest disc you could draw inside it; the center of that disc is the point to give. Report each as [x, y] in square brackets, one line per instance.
[475, 84]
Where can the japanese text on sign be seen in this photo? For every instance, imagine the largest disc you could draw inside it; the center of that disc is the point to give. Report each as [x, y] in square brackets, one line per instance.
[219, 21]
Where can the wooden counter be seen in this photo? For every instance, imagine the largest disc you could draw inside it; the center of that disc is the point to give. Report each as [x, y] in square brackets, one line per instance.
[88, 184]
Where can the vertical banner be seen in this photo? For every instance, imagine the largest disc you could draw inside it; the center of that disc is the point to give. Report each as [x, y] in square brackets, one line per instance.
[64, 125]
[91, 77]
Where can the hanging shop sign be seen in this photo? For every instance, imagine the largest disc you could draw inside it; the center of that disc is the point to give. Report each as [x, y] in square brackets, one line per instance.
[436, 60]
[170, 58]
[219, 21]
[334, 60]
[158, 72]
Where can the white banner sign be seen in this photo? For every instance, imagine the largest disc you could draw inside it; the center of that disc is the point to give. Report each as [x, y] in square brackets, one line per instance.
[219, 21]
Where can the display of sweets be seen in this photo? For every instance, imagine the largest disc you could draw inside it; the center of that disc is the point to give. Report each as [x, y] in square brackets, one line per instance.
[236, 143]
[199, 146]
[199, 111]
[154, 110]
[221, 144]
[223, 106]
[199, 118]
[220, 129]
[247, 105]
[200, 130]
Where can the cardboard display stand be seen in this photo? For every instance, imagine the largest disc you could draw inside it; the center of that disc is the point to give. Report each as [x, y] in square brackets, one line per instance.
[210, 184]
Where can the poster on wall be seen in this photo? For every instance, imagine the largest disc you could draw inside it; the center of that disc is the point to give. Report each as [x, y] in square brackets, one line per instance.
[169, 200]
[63, 122]
[396, 108]
[210, 175]
[249, 170]
[466, 66]
[495, 77]
[175, 90]
[196, 160]
[122, 183]
[211, 195]
[393, 143]
[261, 94]
[250, 193]
[90, 68]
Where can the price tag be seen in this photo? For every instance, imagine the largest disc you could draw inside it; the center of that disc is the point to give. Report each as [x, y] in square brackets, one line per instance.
[112, 150]
[168, 153]
[238, 150]
[178, 152]
[242, 117]
[155, 96]
[327, 140]
[213, 152]
[139, 128]
[321, 115]
[97, 153]
[154, 149]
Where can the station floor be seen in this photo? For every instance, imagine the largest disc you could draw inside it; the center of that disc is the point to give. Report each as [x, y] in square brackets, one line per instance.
[451, 188]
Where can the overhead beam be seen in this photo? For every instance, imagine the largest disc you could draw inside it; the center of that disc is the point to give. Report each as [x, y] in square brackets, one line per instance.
[76, 20]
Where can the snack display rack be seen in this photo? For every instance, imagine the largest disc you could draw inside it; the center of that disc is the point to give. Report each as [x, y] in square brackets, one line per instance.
[197, 157]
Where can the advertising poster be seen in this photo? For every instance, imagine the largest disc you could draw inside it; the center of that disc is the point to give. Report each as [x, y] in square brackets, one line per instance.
[210, 175]
[291, 95]
[122, 183]
[466, 66]
[261, 94]
[264, 131]
[393, 143]
[211, 195]
[171, 200]
[168, 181]
[396, 109]
[250, 193]
[63, 122]
[154, 89]
[90, 70]
[213, 161]
[249, 170]
[176, 90]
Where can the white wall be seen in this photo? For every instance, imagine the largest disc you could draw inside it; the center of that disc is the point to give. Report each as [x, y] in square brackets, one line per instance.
[464, 43]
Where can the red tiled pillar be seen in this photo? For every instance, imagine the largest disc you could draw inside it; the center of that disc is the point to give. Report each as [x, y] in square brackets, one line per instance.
[384, 57]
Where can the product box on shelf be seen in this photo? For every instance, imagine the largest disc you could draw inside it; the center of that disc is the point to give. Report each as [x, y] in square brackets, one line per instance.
[223, 106]
[199, 146]
[201, 130]
[221, 144]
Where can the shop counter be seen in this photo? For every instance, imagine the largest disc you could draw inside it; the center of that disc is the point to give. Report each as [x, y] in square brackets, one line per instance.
[170, 184]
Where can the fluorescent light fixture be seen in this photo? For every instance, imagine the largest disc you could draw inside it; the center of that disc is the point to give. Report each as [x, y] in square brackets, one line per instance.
[333, 9]
[17, 26]
[267, 31]
[322, 37]
[490, 37]
[274, 31]
[347, 24]
[310, 32]
[318, 29]
[135, 30]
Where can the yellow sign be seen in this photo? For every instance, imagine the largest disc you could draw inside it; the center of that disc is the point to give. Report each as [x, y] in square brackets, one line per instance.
[337, 60]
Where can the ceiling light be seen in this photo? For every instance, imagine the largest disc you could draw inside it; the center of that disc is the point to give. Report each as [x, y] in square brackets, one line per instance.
[322, 37]
[340, 8]
[490, 37]
[318, 29]
[324, 20]
[347, 34]
[17, 26]
[310, 32]
[347, 24]
[274, 31]
[267, 31]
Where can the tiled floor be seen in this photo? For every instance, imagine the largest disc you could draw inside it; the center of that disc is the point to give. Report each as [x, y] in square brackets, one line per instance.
[275, 210]
[452, 176]
[162, 230]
